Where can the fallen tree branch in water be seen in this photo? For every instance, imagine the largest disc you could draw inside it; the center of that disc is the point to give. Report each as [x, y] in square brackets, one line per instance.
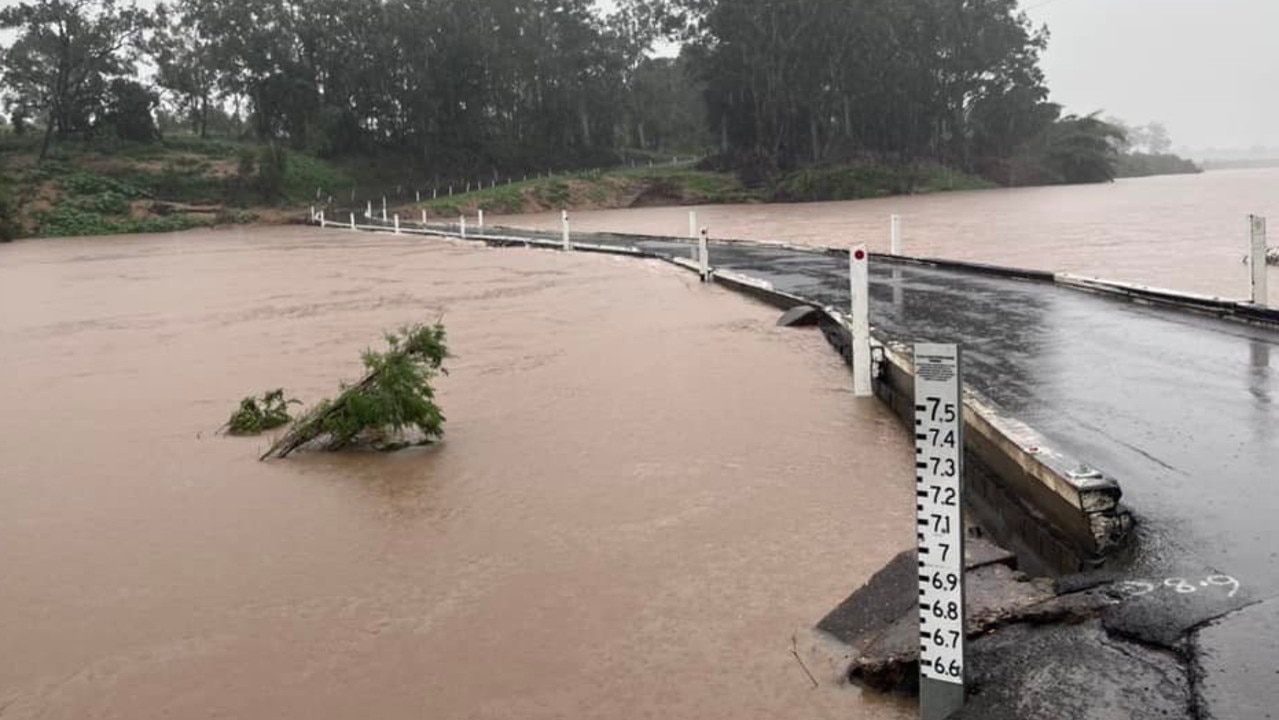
[395, 396]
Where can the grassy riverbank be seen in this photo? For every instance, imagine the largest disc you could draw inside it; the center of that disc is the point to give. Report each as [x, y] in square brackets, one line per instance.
[111, 188]
[104, 188]
[687, 186]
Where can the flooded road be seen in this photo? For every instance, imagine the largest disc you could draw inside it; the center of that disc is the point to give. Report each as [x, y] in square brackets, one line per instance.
[644, 491]
[1186, 232]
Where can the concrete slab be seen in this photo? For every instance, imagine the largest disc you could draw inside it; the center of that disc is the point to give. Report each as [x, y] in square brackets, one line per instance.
[802, 316]
[1237, 660]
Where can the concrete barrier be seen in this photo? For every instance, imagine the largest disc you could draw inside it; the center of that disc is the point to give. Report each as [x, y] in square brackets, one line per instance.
[1192, 302]
[1056, 514]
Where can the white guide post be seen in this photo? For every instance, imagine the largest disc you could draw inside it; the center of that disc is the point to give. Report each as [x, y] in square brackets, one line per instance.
[939, 505]
[704, 255]
[1260, 282]
[480, 224]
[896, 229]
[423, 217]
[568, 237]
[313, 213]
[322, 225]
[461, 223]
[435, 193]
[384, 208]
[419, 196]
[368, 210]
[397, 223]
[859, 287]
[352, 221]
[692, 229]
[450, 191]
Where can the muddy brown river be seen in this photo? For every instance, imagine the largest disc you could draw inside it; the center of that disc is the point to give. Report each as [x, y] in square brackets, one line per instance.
[1185, 232]
[645, 491]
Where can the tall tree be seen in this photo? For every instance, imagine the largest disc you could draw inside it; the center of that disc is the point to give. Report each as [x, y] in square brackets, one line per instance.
[66, 53]
[185, 64]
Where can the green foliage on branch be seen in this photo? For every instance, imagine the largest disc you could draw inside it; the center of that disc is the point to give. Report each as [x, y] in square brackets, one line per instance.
[257, 415]
[395, 398]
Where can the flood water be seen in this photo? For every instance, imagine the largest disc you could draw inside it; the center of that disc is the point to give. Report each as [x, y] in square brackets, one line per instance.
[645, 490]
[1185, 232]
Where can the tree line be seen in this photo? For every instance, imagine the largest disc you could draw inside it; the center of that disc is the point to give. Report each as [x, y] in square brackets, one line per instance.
[514, 85]
[956, 82]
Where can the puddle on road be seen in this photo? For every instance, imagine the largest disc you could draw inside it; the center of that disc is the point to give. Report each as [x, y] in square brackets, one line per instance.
[645, 489]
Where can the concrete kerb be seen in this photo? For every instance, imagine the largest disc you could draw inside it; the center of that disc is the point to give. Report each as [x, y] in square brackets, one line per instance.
[1059, 516]
[497, 240]
[1223, 308]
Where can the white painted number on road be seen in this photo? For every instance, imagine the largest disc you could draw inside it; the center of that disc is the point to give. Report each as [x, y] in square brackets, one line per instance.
[1181, 586]
[939, 456]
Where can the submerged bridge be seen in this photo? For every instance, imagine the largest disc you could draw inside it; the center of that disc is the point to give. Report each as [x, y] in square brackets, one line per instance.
[1079, 390]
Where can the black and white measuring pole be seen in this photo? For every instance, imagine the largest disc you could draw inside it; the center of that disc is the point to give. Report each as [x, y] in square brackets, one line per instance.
[939, 451]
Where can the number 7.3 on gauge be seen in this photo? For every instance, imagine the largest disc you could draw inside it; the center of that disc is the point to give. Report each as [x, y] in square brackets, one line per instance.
[939, 451]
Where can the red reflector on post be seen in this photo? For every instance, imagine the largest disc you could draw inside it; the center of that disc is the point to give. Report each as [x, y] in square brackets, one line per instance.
[860, 254]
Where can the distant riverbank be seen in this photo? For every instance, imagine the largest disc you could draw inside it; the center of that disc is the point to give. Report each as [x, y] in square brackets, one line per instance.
[674, 186]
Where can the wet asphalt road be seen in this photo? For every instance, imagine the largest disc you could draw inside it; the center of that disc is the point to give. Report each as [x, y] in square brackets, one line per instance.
[1180, 408]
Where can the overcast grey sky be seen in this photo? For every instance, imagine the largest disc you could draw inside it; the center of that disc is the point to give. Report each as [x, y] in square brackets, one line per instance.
[1209, 69]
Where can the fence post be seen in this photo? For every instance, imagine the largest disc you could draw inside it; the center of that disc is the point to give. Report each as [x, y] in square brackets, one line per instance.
[461, 223]
[568, 238]
[859, 287]
[397, 223]
[1260, 281]
[704, 256]
[896, 228]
